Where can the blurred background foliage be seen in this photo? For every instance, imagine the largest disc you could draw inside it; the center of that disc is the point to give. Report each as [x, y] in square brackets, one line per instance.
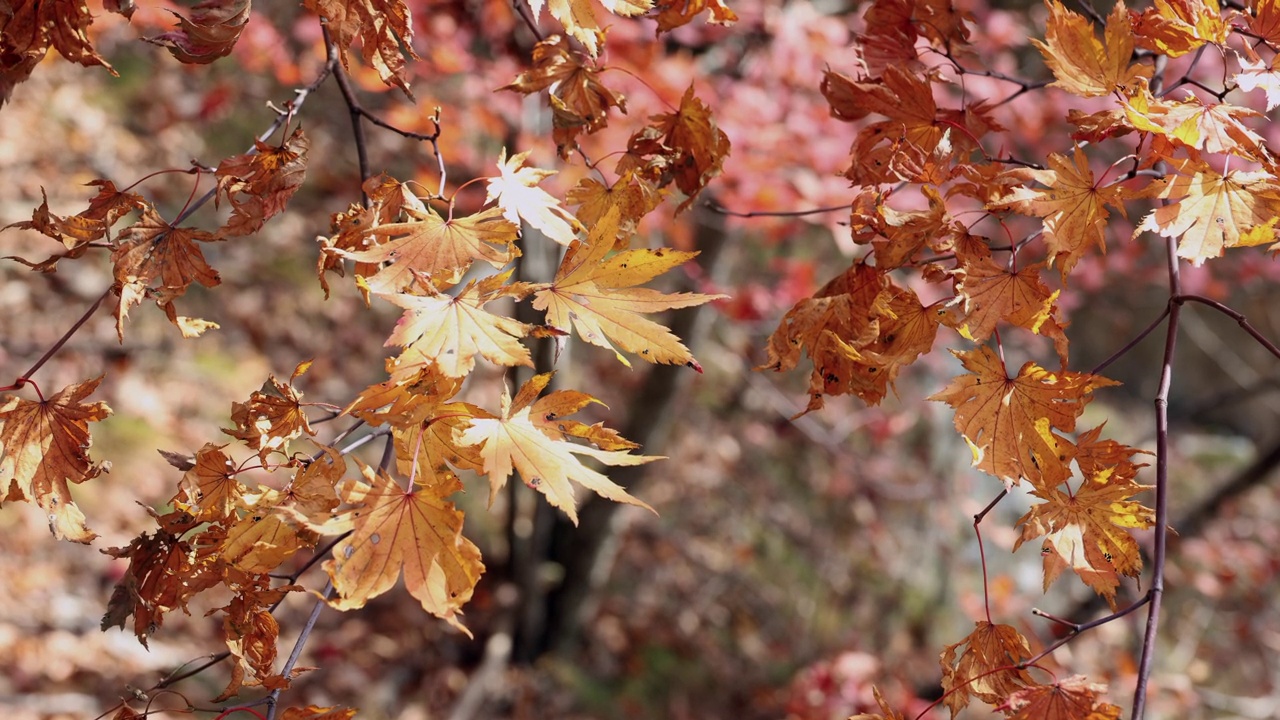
[792, 563]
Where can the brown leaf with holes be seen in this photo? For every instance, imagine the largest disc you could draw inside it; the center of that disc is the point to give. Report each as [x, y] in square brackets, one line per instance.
[394, 530]
[43, 447]
[522, 439]
[259, 184]
[210, 33]
[155, 259]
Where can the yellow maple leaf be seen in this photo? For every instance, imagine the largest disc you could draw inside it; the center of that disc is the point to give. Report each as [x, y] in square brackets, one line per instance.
[431, 245]
[210, 492]
[452, 331]
[1177, 27]
[1209, 212]
[1006, 420]
[1214, 128]
[1088, 531]
[43, 447]
[992, 294]
[517, 193]
[976, 671]
[394, 530]
[1080, 63]
[593, 294]
[521, 439]
[631, 196]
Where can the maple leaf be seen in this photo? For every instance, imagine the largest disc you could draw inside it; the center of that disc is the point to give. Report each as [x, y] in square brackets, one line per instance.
[394, 530]
[1209, 212]
[75, 231]
[251, 633]
[430, 245]
[521, 439]
[259, 184]
[210, 33]
[1214, 128]
[275, 524]
[165, 571]
[1263, 18]
[842, 316]
[43, 447]
[28, 29]
[210, 491]
[992, 294]
[579, 100]
[151, 252]
[593, 294]
[896, 235]
[686, 147]
[517, 193]
[1082, 65]
[890, 36]
[987, 667]
[1257, 75]
[1094, 455]
[1176, 27]
[385, 29]
[1088, 531]
[632, 197]
[272, 417]
[1074, 208]
[1071, 699]
[998, 415]
[672, 14]
[388, 198]
[452, 331]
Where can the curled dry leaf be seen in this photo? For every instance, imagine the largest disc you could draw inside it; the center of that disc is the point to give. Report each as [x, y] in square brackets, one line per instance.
[210, 33]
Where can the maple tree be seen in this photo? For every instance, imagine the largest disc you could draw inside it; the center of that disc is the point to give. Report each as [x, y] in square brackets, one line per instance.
[958, 233]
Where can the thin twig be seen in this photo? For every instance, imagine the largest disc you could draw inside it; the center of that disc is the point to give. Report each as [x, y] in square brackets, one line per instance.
[289, 664]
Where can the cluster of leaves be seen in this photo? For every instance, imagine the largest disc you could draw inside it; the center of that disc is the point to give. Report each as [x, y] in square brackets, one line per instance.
[1217, 183]
[404, 249]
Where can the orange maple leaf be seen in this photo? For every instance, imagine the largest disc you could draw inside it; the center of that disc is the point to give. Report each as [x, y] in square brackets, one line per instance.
[896, 236]
[999, 415]
[452, 331]
[987, 667]
[1176, 27]
[388, 198]
[75, 231]
[155, 258]
[1072, 699]
[313, 712]
[1088, 531]
[210, 491]
[593, 294]
[1082, 65]
[991, 294]
[685, 146]
[517, 193]
[259, 184]
[1210, 212]
[1074, 208]
[43, 447]
[393, 530]
[273, 417]
[210, 33]
[1263, 17]
[632, 197]
[522, 439]
[431, 245]
[385, 29]
[579, 100]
